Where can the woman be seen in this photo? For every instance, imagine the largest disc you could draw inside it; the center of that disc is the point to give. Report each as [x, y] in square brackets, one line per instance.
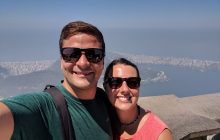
[122, 82]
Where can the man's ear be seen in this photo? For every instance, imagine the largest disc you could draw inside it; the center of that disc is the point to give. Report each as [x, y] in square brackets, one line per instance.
[61, 61]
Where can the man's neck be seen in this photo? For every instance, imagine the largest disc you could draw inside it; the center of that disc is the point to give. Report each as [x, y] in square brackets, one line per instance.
[83, 94]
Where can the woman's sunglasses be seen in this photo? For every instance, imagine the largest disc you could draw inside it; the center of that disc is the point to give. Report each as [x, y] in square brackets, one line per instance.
[116, 82]
[93, 55]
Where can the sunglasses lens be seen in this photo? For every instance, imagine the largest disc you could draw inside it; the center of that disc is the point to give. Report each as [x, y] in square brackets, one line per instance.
[133, 82]
[70, 54]
[73, 54]
[94, 55]
[116, 82]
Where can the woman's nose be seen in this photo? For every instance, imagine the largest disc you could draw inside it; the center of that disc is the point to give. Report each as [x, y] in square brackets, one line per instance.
[124, 87]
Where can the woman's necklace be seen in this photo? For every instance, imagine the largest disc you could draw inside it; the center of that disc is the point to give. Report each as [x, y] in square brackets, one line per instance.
[127, 124]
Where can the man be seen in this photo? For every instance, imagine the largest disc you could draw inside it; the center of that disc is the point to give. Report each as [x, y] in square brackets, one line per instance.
[34, 116]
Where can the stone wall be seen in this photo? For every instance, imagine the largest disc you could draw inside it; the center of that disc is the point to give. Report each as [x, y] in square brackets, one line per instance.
[194, 117]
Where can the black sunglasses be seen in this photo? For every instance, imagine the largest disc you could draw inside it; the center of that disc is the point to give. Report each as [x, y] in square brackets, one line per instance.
[116, 82]
[93, 55]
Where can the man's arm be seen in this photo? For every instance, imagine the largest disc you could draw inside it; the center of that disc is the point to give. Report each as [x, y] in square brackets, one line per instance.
[6, 122]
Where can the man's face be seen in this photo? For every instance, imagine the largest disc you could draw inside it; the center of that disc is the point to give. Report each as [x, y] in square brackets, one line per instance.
[82, 74]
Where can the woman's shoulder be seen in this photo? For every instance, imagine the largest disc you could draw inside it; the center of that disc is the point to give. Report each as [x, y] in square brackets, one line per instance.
[153, 119]
[152, 125]
[160, 127]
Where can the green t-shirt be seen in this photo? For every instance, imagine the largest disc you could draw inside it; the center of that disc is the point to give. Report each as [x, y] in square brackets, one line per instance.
[36, 117]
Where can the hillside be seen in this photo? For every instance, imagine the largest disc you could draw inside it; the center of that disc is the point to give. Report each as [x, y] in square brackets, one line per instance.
[158, 74]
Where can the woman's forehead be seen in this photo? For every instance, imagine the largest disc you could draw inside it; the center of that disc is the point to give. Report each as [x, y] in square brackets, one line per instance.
[122, 70]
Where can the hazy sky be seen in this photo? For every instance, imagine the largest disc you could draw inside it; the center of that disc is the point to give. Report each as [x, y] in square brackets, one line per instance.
[29, 30]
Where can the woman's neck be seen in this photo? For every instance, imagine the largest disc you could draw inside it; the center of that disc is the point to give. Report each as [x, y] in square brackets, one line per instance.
[83, 94]
[129, 117]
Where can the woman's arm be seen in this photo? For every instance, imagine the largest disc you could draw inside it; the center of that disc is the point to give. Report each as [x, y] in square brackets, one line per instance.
[166, 135]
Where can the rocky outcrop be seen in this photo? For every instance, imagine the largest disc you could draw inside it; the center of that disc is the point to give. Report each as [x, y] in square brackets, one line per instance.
[188, 117]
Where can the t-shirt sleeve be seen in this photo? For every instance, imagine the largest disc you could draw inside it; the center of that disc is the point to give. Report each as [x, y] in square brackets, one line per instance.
[32, 115]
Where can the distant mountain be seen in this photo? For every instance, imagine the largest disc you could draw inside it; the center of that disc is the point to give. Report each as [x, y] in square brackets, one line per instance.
[3, 72]
[19, 68]
[201, 65]
[33, 80]
[19, 77]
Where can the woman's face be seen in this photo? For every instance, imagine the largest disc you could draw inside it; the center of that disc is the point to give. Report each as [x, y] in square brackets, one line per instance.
[124, 97]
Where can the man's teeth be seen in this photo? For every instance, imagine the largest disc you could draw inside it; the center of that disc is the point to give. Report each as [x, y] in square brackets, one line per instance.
[82, 73]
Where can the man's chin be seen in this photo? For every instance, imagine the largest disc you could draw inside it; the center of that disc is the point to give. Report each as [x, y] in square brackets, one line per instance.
[84, 86]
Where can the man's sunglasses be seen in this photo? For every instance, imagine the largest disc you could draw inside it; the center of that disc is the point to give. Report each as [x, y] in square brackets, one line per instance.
[116, 82]
[93, 55]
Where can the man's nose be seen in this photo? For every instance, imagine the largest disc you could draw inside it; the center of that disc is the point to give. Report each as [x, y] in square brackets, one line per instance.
[83, 61]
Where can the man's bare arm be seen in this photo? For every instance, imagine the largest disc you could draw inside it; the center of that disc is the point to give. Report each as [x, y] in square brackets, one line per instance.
[6, 122]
